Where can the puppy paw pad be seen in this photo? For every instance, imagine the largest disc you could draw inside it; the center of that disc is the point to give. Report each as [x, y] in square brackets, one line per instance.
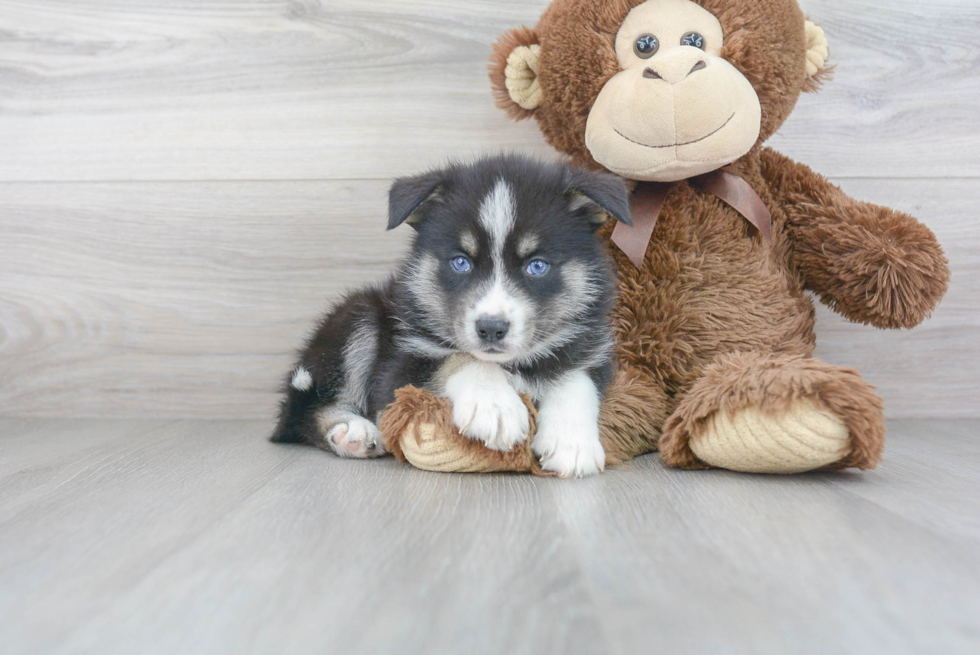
[358, 438]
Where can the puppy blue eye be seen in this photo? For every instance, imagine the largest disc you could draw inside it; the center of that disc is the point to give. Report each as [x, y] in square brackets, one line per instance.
[693, 39]
[537, 267]
[462, 265]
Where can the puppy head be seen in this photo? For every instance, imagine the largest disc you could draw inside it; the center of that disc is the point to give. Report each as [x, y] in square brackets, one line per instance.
[505, 263]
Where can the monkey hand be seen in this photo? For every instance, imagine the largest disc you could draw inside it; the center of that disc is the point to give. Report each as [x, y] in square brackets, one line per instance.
[880, 267]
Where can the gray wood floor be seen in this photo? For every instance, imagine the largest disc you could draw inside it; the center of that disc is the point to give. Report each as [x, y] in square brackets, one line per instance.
[188, 536]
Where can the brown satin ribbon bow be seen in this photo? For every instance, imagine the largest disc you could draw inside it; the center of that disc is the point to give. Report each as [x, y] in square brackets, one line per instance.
[649, 198]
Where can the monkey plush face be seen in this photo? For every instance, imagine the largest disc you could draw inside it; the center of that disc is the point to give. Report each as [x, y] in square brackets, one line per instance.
[659, 90]
[676, 108]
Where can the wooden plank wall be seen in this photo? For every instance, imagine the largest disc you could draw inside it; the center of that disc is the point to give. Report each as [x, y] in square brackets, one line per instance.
[184, 185]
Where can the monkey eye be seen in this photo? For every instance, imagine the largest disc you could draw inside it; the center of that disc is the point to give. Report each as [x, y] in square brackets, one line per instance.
[646, 46]
[693, 39]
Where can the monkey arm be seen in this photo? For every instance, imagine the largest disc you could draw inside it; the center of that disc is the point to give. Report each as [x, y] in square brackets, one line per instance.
[871, 264]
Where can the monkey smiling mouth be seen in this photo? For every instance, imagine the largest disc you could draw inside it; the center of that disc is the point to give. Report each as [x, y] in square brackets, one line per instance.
[677, 145]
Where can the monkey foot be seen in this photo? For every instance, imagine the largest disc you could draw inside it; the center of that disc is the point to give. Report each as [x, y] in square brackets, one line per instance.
[802, 438]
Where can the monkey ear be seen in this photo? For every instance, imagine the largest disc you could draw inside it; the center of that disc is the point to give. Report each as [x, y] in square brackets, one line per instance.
[514, 72]
[817, 53]
[604, 192]
[408, 194]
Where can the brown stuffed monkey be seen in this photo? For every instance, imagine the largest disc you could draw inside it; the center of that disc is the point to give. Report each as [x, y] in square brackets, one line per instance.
[715, 330]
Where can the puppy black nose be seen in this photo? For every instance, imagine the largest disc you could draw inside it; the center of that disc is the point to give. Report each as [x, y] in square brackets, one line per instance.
[492, 330]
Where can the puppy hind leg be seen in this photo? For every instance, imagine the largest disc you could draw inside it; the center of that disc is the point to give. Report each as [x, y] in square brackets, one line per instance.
[344, 432]
[326, 396]
[341, 427]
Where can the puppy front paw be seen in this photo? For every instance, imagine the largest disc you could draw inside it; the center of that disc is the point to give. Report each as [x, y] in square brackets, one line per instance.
[486, 407]
[571, 451]
[500, 421]
[567, 441]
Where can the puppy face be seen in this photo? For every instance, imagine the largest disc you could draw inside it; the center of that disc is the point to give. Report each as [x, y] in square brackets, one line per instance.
[506, 258]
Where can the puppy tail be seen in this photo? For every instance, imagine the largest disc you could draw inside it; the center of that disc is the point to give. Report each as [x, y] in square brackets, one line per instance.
[295, 407]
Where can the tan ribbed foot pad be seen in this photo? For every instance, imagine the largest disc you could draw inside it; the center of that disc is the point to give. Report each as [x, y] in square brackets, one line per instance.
[801, 439]
[430, 449]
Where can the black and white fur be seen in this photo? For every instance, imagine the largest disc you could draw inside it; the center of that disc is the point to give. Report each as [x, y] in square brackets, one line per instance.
[480, 336]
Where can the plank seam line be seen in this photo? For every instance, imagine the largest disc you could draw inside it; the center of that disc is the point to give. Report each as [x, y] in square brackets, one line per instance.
[967, 178]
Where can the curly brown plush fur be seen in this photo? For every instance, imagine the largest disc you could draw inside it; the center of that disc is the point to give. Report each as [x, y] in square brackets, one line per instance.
[716, 319]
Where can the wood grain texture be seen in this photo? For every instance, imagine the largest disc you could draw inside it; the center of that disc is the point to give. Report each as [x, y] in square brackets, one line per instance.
[345, 89]
[129, 293]
[151, 299]
[180, 299]
[200, 537]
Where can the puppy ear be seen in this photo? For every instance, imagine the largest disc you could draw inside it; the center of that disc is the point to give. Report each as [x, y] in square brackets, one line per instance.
[604, 192]
[514, 73]
[408, 194]
[817, 54]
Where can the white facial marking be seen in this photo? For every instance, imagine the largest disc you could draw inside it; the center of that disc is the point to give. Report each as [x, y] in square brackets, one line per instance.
[547, 347]
[302, 380]
[424, 287]
[567, 439]
[497, 215]
[498, 301]
[582, 285]
[486, 407]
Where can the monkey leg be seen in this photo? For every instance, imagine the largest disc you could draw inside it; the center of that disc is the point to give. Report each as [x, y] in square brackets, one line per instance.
[632, 415]
[766, 413]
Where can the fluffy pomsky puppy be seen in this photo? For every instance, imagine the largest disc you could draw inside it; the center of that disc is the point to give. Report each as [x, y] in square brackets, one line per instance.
[506, 289]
